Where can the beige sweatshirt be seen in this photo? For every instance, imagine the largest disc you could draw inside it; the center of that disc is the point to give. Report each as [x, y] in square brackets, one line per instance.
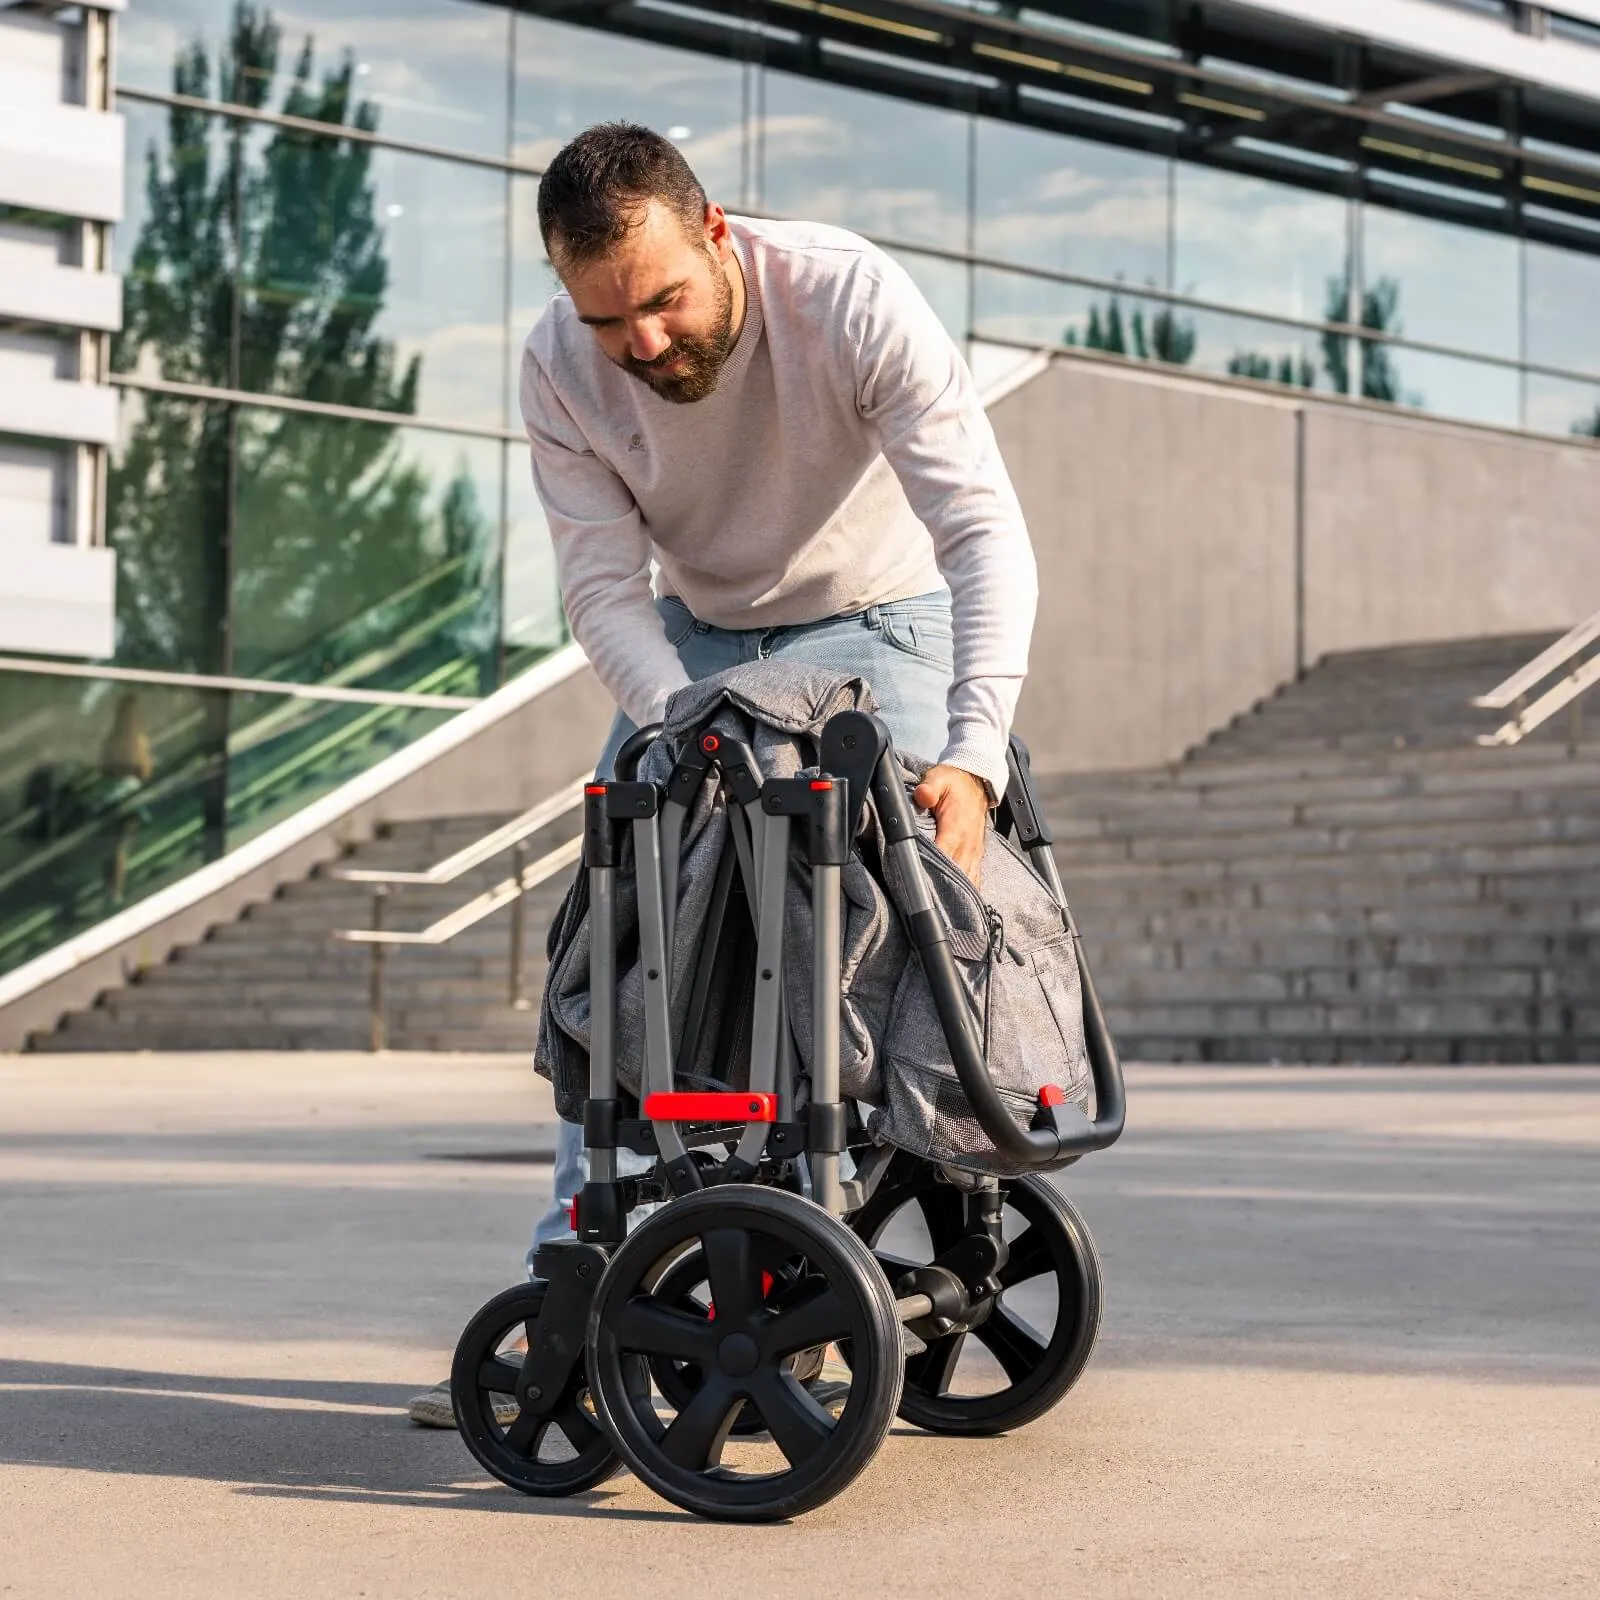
[845, 430]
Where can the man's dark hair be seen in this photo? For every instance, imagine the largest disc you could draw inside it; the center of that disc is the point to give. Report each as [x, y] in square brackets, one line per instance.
[592, 194]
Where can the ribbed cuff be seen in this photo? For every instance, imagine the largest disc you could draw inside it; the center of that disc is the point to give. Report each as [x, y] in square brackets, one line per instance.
[980, 758]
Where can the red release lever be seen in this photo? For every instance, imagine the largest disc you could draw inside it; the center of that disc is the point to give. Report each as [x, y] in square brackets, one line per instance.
[711, 1107]
[1052, 1095]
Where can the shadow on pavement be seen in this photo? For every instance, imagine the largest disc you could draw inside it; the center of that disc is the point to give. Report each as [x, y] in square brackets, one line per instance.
[227, 1430]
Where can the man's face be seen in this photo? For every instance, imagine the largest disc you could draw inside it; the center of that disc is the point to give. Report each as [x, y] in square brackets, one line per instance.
[660, 303]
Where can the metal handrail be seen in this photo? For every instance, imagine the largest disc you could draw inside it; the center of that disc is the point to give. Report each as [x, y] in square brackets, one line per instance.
[509, 891]
[1514, 690]
[481, 850]
[475, 910]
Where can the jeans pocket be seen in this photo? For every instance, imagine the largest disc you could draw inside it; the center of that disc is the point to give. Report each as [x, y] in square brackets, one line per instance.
[676, 618]
[920, 629]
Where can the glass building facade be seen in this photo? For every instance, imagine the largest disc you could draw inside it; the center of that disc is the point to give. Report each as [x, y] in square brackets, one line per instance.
[330, 261]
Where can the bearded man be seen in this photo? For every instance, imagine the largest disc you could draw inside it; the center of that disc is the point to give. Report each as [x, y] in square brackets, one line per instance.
[771, 415]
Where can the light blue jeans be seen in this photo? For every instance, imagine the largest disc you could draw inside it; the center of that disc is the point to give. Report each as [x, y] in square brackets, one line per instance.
[902, 649]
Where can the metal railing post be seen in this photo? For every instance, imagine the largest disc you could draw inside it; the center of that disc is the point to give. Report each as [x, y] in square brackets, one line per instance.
[375, 996]
[519, 995]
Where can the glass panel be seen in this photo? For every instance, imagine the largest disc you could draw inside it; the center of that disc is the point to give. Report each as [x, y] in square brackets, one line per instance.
[1264, 246]
[167, 519]
[1441, 282]
[1045, 200]
[1445, 385]
[1037, 311]
[433, 71]
[175, 247]
[943, 285]
[284, 752]
[373, 278]
[105, 794]
[882, 166]
[1013, 307]
[569, 78]
[1552, 406]
[110, 791]
[366, 555]
[1242, 347]
[533, 284]
[1563, 289]
[534, 621]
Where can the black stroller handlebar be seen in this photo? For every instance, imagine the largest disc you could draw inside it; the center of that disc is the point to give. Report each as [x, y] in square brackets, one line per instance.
[633, 749]
[1061, 1130]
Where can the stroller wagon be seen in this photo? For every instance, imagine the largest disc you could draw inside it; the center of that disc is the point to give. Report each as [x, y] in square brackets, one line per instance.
[774, 989]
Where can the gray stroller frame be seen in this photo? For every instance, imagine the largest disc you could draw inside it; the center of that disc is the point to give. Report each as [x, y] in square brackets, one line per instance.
[691, 1346]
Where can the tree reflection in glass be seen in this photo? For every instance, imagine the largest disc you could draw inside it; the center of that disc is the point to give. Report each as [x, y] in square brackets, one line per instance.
[271, 275]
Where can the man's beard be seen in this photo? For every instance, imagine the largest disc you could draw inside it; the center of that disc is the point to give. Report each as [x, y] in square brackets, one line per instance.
[702, 355]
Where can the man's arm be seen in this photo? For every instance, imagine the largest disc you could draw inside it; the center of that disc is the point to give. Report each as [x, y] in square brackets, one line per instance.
[915, 390]
[602, 556]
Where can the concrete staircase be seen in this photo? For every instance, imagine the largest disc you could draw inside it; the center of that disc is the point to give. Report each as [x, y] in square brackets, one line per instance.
[276, 980]
[1433, 905]
[1406, 697]
[1300, 888]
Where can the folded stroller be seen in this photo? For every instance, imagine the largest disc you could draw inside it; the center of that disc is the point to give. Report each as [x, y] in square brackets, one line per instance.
[844, 1069]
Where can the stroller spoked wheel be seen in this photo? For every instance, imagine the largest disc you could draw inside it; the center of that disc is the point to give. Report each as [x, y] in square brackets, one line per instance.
[1026, 1347]
[686, 1286]
[552, 1450]
[786, 1280]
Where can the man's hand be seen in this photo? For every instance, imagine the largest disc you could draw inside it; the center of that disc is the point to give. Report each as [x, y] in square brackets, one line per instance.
[960, 806]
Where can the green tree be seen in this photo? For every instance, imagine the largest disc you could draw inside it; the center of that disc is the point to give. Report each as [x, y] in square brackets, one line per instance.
[1589, 427]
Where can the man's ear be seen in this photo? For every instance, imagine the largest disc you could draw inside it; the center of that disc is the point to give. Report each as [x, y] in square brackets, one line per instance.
[718, 234]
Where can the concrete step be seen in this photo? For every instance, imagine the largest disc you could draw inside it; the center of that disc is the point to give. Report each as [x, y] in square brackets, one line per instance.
[1538, 919]
[1562, 897]
[96, 1030]
[1376, 842]
[266, 982]
[1189, 813]
[1294, 950]
[1334, 772]
[1311, 1049]
[1435, 985]
[1453, 1017]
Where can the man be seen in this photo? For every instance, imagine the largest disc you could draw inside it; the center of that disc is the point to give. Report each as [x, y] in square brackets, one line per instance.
[772, 414]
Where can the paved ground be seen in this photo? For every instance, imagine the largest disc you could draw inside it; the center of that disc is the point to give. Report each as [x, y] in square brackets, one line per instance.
[1352, 1347]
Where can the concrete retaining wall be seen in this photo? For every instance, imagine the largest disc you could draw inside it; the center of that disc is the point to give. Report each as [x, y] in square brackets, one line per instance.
[1200, 542]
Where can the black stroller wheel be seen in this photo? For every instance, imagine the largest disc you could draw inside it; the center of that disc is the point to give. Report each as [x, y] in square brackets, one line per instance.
[560, 1451]
[1017, 1372]
[786, 1279]
[686, 1287]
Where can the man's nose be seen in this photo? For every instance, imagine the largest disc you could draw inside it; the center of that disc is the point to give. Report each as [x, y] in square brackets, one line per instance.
[647, 339]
